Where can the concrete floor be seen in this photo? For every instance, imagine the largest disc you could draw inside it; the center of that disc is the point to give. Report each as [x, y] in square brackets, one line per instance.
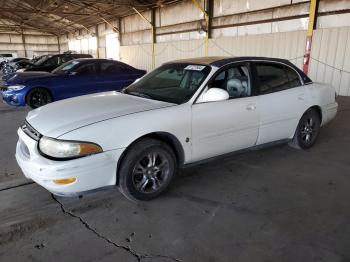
[276, 204]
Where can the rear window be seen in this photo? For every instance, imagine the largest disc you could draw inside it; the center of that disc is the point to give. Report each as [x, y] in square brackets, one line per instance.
[275, 77]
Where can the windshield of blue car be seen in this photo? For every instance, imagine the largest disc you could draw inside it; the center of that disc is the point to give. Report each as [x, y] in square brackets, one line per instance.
[42, 60]
[173, 83]
[64, 68]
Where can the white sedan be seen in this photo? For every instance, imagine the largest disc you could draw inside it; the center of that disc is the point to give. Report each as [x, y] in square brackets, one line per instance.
[182, 112]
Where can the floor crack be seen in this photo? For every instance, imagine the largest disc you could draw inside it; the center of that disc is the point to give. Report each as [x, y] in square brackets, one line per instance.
[139, 257]
[16, 186]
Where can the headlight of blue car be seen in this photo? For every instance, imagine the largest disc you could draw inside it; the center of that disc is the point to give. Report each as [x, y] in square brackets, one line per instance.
[16, 87]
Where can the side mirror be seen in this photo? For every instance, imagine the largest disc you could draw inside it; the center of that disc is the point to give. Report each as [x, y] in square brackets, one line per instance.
[72, 73]
[136, 80]
[213, 95]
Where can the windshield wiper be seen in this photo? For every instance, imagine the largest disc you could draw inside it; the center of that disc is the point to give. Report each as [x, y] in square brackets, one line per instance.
[134, 93]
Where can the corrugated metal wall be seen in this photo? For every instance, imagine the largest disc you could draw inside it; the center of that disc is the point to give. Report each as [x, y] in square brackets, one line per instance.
[35, 44]
[330, 61]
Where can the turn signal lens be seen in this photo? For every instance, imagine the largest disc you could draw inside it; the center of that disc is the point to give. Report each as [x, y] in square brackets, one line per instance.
[86, 149]
[64, 181]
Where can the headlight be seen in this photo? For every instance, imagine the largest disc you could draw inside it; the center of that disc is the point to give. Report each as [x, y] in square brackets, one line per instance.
[16, 87]
[67, 149]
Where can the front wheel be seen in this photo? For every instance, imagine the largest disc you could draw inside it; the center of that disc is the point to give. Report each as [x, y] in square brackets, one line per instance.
[38, 97]
[308, 130]
[147, 170]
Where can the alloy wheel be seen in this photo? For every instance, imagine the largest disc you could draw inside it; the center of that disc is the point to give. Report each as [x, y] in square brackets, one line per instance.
[150, 172]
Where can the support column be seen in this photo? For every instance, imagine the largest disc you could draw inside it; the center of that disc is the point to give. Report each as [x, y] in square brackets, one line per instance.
[207, 22]
[120, 31]
[97, 41]
[210, 12]
[24, 44]
[310, 30]
[58, 44]
[153, 32]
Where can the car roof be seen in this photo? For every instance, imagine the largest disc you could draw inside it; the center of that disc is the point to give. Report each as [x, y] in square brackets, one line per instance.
[220, 61]
[70, 54]
[95, 60]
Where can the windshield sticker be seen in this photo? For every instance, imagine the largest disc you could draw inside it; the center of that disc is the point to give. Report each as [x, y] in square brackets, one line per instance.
[194, 67]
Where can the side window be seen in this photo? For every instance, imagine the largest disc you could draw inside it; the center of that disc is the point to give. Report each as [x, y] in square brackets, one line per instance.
[86, 69]
[65, 59]
[52, 61]
[293, 77]
[235, 80]
[276, 77]
[110, 67]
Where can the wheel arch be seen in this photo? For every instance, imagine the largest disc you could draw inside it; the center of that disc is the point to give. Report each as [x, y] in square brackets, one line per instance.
[318, 110]
[39, 87]
[166, 137]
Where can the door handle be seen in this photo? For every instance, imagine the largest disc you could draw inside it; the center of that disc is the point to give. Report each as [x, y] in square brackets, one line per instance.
[251, 107]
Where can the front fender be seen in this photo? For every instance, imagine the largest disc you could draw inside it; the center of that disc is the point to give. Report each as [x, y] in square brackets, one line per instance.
[122, 131]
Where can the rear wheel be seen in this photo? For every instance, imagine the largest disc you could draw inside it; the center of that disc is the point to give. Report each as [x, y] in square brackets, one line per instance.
[38, 97]
[147, 170]
[307, 131]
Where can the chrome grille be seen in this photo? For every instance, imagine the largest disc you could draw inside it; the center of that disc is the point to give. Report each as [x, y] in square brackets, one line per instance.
[30, 131]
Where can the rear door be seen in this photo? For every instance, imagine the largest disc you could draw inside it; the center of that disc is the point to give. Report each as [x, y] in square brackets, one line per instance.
[282, 99]
[114, 76]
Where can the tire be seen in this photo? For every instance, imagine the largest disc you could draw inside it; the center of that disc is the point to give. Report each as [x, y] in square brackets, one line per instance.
[38, 97]
[147, 170]
[307, 131]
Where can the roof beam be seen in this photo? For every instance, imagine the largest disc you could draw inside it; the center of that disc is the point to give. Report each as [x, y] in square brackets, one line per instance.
[37, 11]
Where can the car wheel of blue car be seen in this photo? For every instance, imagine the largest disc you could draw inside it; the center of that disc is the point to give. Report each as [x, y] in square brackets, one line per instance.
[38, 97]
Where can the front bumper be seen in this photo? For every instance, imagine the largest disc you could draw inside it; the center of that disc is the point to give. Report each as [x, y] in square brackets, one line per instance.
[91, 172]
[13, 98]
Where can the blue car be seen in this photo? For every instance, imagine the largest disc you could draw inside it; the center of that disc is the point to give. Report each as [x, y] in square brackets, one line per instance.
[73, 78]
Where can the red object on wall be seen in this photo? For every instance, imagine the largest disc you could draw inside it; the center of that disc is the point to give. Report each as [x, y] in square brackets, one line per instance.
[307, 54]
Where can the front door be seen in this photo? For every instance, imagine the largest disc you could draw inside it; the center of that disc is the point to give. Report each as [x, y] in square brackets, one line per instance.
[226, 126]
[82, 80]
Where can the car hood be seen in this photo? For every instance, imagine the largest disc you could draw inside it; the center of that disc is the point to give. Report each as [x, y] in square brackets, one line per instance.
[60, 117]
[22, 77]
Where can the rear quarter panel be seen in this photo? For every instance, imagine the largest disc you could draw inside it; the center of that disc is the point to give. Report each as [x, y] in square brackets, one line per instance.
[323, 95]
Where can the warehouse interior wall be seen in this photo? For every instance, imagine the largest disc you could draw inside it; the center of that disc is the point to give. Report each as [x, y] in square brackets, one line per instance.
[29, 44]
[274, 28]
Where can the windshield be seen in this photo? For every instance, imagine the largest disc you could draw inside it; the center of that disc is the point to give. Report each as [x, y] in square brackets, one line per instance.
[174, 83]
[64, 68]
[42, 60]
